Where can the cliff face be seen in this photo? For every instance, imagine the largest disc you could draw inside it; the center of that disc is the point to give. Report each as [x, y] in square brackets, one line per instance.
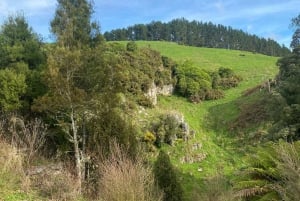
[166, 90]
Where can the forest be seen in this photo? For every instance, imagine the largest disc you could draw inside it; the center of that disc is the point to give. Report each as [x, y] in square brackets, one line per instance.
[92, 117]
[199, 34]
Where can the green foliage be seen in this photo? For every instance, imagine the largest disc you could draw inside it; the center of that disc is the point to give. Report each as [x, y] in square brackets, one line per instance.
[110, 122]
[60, 77]
[288, 125]
[21, 50]
[19, 44]
[135, 72]
[72, 24]
[149, 137]
[227, 79]
[296, 36]
[131, 46]
[272, 173]
[225, 72]
[260, 176]
[192, 81]
[167, 128]
[167, 178]
[289, 77]
[12, 87]
[199, 34]
[198, 85]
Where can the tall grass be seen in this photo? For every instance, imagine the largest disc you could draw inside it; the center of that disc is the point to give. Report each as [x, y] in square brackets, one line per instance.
[13, 181]
[124, 179]
[289, 167]
[19, 180]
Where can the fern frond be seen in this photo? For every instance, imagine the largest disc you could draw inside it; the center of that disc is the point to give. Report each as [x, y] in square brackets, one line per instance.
[249, 192]
[270, 196]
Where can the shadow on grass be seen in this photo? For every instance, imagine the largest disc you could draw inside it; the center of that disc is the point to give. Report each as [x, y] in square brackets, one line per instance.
[242, 121]
[217, 188]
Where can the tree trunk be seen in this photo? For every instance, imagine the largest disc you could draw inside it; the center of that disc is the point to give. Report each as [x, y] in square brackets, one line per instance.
[77, 152]
[83, 154]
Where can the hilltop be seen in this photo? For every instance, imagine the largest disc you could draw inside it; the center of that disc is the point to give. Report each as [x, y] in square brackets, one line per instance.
[198, 34]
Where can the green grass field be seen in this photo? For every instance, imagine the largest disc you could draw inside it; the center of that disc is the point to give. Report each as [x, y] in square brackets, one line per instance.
[223, 156]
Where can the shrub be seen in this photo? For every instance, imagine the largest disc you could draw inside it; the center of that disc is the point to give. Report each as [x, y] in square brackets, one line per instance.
[167, 129]
[56, 185]
[227, 78]
[225, 72]
[167, 178]
[29, 136]
[131, 46]
[149, 137]
[192, 81]
[214, 94]
[123, 179]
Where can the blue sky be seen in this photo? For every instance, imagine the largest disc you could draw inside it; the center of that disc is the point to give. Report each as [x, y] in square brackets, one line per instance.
[265, 18]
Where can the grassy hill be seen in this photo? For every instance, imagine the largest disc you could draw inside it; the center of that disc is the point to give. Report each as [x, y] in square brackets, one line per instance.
[223, 154]
[220, 149]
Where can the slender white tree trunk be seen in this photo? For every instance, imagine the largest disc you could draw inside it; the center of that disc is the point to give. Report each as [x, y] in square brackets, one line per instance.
[77, 152]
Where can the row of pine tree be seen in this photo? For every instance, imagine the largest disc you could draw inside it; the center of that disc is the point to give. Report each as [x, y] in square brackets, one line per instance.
[199, 34]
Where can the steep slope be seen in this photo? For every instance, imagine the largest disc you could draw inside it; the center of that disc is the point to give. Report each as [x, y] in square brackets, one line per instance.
[219, 153]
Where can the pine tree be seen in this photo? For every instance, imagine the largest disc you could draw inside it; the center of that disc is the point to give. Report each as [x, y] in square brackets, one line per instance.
[21, 52]
[72, 24]
[296, 36]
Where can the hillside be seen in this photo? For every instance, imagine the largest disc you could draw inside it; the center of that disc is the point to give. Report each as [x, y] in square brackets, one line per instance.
[91, 120]
[198, 34]
[222, 154]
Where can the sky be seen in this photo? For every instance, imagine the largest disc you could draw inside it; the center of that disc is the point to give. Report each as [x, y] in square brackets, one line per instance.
[264, 18]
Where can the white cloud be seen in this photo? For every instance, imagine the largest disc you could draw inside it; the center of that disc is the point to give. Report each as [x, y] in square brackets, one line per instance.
[29, 7]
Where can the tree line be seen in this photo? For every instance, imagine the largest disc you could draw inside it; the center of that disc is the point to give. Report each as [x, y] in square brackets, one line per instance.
[199, 34]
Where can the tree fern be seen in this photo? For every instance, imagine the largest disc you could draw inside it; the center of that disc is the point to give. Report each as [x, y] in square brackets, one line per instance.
[257, 179]
[272, 173]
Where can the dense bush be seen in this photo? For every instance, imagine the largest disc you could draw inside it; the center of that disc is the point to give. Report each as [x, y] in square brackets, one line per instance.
[167, 178]
[287, 118]
[192, 80]
[167, 129]
[131, 46]
[198, 85]
[226, 79]
[140, 69]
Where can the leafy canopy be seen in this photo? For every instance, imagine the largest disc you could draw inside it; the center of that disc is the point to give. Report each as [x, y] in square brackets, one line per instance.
[12, 87]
